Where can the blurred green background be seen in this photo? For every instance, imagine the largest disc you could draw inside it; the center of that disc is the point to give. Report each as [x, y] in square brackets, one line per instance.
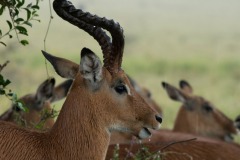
[166, 40]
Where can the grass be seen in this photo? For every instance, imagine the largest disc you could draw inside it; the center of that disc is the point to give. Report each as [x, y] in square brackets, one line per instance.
[165, 41]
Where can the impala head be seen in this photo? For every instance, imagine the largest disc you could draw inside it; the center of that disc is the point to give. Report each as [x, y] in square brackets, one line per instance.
[197, 115]
[37, 102]
[105, 90]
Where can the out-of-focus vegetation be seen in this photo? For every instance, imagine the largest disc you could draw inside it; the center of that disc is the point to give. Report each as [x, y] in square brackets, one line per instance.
[17, 21]
[166, 40]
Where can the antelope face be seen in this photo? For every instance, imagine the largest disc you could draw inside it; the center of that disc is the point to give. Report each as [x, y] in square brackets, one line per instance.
[130, 113]
[36, 102]
[197, 115]
[119, 107]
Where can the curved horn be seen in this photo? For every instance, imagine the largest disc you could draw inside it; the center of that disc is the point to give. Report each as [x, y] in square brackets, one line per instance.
[114, 60]
[64, 8]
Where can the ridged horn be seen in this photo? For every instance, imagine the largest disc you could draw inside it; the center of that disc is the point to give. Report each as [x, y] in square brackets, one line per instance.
[114, 53]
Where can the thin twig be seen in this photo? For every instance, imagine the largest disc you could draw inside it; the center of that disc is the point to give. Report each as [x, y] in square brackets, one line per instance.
[45, 38]
[176, 142]
[4, 65]
[14, 27]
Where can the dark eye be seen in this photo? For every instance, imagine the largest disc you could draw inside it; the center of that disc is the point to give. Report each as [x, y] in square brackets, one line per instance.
[121, 89]
[207, 108]
[149, 95]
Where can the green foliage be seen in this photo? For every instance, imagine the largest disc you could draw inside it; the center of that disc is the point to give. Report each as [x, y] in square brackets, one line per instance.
[18, 22]
[45, 115]
[142, 153]
[4, 91]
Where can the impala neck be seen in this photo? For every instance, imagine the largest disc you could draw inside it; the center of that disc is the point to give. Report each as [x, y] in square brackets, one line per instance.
[79, 129]
[182, 122]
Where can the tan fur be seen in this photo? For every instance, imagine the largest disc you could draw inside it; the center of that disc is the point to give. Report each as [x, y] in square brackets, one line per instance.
[200, 149]
[194, 118]
[33, 116]
[89, 137]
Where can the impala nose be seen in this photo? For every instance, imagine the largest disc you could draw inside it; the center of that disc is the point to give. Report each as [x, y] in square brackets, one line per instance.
[159, 118]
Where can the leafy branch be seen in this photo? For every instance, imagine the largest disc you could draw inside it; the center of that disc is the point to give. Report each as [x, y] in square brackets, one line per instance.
[17, 22]
[8, 92]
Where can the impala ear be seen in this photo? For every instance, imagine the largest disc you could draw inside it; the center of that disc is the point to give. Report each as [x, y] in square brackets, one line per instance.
[174, 93]
[45, 91]
[61, 90]
[91, 67]
[185, 86]
[63, 67]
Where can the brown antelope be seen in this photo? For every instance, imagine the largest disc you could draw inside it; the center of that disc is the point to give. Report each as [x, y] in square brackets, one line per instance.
[37, 103]
[100, 101]
[199, 116]
[177, 146]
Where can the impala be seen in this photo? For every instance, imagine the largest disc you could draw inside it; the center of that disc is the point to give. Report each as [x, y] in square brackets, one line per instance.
[100, 101]
[37, 103]
[199, 116]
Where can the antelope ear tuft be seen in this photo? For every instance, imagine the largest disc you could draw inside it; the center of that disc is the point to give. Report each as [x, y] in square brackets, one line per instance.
[91, 68]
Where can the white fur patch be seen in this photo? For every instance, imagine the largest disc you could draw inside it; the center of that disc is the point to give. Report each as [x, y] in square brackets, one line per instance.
[91, 69]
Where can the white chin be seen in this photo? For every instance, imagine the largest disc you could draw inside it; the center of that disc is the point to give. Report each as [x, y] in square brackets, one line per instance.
[144, 133]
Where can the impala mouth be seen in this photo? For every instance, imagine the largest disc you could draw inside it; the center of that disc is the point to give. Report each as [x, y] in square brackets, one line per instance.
[144, 133]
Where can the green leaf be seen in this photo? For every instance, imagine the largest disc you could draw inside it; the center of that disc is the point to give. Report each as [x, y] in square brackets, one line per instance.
[20, 3]
[35, 7]
[1, 79]
[3, 43]
[2, 91]
[28, 13]
[7, 82]
[2, 9]
[20, 106]
[22, 30]
[29, 5]
[16, 11]
[24, 42]
[10, 94]
[14, 97]
[19, 20]
[28, 23]
[9, 24]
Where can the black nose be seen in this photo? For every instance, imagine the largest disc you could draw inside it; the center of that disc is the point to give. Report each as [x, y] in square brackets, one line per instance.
[159, 118]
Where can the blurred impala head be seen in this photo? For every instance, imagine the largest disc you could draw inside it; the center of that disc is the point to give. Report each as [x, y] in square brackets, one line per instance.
[198, 115]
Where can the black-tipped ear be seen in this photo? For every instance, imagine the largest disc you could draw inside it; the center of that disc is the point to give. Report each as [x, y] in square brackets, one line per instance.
[64, 67]
[91, 67]
[185, 86]
[85, 51]
[45, 90]
[174, 93]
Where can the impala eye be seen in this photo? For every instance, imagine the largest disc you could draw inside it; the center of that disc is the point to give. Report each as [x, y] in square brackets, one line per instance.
[121, 89]
[207, 108]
